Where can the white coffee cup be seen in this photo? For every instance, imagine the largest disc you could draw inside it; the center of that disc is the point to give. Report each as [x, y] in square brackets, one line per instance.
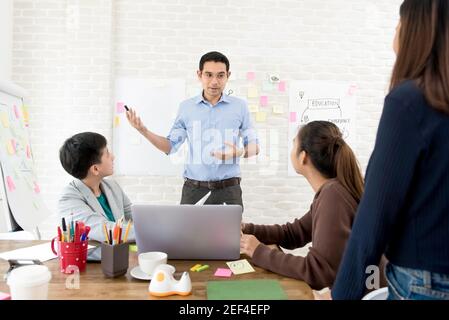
[148, 261]
[29, 282]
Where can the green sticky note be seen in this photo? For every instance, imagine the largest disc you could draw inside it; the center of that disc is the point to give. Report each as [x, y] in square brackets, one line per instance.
[133, 248]
[245, 290]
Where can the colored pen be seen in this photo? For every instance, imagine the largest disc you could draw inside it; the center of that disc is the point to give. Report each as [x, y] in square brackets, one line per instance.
[110, 236]
[126, 107]
[64, 230]
[67, 235]
[72, 231]
[105, 230]
[114, 235]
[87, 230]
[59, 234]
[128, 227]
[64, 227]
[77, 232]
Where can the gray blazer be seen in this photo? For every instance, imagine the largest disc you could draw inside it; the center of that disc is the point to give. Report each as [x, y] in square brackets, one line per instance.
[77, 201]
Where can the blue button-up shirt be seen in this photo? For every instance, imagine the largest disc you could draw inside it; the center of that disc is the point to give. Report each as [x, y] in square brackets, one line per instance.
[207, 128]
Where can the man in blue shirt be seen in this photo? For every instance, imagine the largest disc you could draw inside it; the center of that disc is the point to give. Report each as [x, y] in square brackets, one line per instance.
[213, 124]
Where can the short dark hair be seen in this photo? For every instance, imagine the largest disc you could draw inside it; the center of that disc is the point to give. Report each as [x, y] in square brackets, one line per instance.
[80, 152]
[215, 57]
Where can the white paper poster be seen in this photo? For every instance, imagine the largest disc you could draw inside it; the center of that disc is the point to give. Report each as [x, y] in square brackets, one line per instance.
[321, 100]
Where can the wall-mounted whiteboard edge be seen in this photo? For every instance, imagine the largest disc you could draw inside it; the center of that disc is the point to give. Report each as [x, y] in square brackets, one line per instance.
[12, 89]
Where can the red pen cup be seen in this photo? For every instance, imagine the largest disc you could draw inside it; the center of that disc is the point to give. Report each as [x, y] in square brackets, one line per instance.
[72, 255]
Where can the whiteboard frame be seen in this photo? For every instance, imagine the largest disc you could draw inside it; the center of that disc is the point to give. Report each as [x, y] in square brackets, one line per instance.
[10, 88]
[5, 219]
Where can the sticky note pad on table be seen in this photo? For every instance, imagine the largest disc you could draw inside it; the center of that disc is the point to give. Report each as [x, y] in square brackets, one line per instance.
[4, 296]
[223, 272]
[240, 266]
[133, 248]
[245, 290]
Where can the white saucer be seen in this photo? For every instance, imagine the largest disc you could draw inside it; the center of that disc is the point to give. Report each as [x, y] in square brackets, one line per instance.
[137, 273]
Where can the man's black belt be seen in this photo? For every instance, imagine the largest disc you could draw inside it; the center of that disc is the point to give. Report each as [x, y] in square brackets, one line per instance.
[211, 185]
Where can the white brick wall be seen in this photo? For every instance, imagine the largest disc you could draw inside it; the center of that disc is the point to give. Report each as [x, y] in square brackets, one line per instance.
[67, 53]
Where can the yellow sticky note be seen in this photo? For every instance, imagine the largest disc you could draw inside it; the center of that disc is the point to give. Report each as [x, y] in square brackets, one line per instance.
[116, 121]
[278, 109]
[261, 116]
[26, 115]
[252, 92]
[240, 266]
[253, 108]
[4, 120]
[10, 148]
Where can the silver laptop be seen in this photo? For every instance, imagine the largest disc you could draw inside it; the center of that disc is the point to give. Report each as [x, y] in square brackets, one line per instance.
[189, 232]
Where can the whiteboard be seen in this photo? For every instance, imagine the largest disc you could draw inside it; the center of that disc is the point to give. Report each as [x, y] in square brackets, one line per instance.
[321, 100]
[20, 184]
[157, 103]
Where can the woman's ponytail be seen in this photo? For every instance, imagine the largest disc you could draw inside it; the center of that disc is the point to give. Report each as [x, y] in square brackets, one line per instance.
[347, 169]
[331, 155]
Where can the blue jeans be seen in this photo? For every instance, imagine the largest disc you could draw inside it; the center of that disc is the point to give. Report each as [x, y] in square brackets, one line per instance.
[412, 284]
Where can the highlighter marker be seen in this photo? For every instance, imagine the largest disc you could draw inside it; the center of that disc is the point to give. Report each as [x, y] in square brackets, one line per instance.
[202, 268]
[195, 267]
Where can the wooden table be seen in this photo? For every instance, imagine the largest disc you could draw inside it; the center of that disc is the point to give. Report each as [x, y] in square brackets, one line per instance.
[94, 285]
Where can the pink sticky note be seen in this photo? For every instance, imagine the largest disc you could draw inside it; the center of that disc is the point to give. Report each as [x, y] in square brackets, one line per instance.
[281, 86]
[263, 101]
[352, 90]
[292, 116]
[120, 107]
[4, 296]
[16, 112]
[222, 272]
[13, 145]
[36, 188]
[10, 183]
[28, 152]
[251, 76]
